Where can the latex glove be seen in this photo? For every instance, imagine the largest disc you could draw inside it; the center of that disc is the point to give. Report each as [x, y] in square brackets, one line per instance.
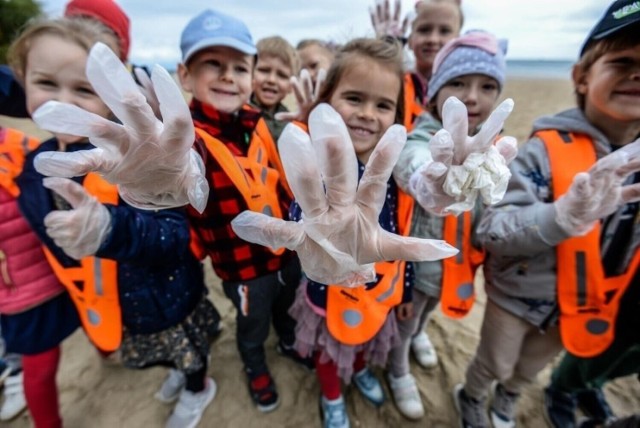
[81, 230]
[152, 162]
[146, 87]
[464, 167]
[599, 192]
[306, 95]
[386, 23]
[338, 239]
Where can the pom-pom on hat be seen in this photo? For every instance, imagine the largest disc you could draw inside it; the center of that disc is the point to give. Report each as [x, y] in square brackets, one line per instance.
[475, 52]
[213, 28]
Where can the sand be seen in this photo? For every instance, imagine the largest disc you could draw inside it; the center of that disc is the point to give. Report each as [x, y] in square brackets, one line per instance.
[93, 394]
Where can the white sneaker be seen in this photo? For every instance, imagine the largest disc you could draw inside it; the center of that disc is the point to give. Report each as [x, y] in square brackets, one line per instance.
[334, 413]
[424, 351]
[171, 387]
[14, 401]
[191, 406]
[405, 393]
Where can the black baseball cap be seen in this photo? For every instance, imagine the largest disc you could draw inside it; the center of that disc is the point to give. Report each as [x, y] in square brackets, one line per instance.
[620, 14]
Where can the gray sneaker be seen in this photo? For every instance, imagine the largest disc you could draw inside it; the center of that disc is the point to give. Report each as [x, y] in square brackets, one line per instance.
[191, 406]
[502, 408]
[472, 413]
[171, 387]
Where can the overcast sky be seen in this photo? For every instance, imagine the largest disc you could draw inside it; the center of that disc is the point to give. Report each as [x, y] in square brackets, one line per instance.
[538, 29]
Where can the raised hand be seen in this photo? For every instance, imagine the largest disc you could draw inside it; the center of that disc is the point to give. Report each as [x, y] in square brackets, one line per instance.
[81, 230]
[306, 95]
[339, 238]
[387, 23]
[464, 167]
[599, 192]
[151, 161]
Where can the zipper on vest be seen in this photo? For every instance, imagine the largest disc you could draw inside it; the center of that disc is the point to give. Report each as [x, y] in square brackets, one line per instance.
[4, 269]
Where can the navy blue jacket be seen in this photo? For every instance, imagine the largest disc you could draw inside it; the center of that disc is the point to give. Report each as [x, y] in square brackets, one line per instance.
[160, 282]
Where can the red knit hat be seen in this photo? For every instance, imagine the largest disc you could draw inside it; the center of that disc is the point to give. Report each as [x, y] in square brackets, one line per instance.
[109, 13]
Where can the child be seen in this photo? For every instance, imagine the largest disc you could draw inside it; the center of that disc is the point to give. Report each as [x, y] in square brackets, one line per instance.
[472, 69]
[579, 380]
[144, 255]
[216, 69]
[545, 234]
[436, 22]
[277, 62]
[315, 55]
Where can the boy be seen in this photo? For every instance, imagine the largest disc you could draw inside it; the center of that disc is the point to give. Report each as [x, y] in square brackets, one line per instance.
[562, 246]
[277, 63]
[579, 381]
[217, 62]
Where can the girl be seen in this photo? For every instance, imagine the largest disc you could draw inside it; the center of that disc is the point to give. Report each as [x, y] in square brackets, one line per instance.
[165, 316]
[472, 69]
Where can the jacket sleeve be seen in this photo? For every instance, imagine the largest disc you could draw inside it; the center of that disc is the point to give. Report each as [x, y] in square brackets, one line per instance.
[414, 154]
[146, 237]
[524, 222]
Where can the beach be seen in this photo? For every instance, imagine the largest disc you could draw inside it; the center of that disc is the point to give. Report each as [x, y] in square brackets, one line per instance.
[97, 394]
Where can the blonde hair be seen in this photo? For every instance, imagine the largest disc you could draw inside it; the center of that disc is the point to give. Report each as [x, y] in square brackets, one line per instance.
[387, 53]
[278, 47]
[621, 40]
[83, 32]
[327, 47]
[422, 8]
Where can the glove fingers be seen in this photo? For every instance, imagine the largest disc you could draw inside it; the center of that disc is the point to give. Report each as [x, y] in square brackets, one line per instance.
[71, 191]
[372, 188]
[178, 123]
[455, 120]
[396, 247]
[298, 89]
[441, 147]
[396, 15]
[71, 164]
[335, 154]
[285, 116]
[508, 148]
[630, 193]
[320, 78]
[300, 165]
[493, 125]
[307, 86]
[268, 231]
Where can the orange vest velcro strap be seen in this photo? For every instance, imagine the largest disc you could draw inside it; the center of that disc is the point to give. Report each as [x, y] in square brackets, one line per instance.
[458, 272]
[13, 149]
[588, 301]
[93, 286]
[412, 109]
[355, 315]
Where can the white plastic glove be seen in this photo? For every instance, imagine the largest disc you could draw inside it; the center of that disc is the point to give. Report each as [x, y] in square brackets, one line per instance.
[338, 239]
[81, 230]
[152, 162]
[387, 24]
[599, 192]
[146, 87]
[306, 95]
[464, 167]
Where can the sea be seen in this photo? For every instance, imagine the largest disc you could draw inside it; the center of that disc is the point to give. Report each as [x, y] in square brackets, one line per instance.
[539, 69]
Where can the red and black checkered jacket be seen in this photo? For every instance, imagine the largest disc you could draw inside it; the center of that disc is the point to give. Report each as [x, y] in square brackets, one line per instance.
[233, 259]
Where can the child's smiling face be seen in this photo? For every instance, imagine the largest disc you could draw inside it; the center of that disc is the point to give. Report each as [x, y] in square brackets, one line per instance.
[366, 98]
[478, 92]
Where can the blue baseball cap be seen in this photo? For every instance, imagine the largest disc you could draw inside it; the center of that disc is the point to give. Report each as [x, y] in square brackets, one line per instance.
[213, 28]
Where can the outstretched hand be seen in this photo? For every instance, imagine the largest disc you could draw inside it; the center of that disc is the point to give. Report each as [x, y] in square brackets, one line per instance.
[339, 238]
[387, 23]
[150, 160]
[464, 167]
[306, 94]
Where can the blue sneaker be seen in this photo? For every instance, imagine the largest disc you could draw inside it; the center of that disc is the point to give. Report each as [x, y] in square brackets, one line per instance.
[334, 413]
[369, 386]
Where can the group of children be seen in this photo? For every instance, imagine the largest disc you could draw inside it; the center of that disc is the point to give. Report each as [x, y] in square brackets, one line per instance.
[559, 254]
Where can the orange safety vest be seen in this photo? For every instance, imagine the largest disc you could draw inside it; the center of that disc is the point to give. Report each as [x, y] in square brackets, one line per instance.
[355, 314]
[412, 108]
[459, 271]
[262, 133]
[588, 300]
[16, 146]
[93, 286]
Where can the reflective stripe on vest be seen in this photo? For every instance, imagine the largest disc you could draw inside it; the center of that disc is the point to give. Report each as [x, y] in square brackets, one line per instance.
[15, 146]
[588, 301]
[355, 314]
[93, 286]
[458, 272]
[264, 135]
[412, 108]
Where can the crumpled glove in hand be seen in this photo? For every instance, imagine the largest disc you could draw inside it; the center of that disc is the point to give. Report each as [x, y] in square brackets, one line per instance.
[599, 192]
[81, 230]
[384, 24]
[306, 95]
[151, 162]
[464, 167]
[339, 238]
